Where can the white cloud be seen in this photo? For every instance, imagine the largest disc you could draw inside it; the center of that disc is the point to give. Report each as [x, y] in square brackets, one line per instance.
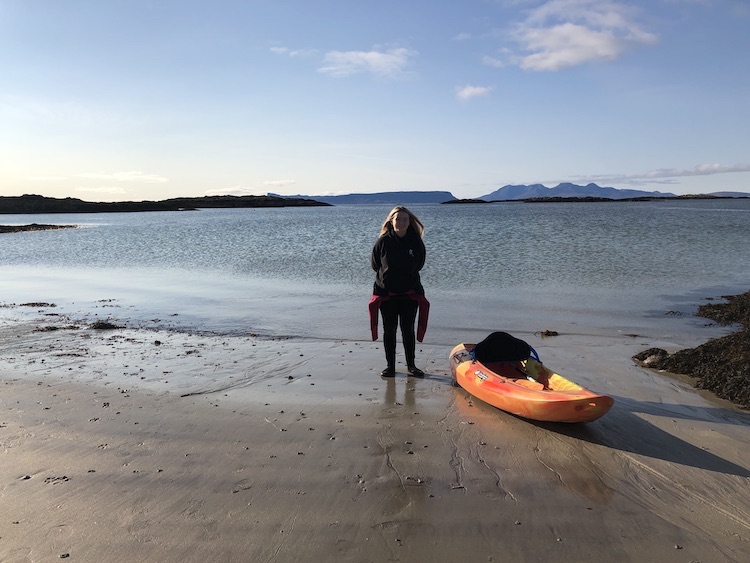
[667, 175]
[700, 170]
[391, 63]
[495, 61]
[564, 33]
[388, 63]
[293, 53]
[567, 45]
[464, 93]
[132, 176]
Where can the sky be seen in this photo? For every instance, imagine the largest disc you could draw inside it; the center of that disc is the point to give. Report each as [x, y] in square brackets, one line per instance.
[133, 100]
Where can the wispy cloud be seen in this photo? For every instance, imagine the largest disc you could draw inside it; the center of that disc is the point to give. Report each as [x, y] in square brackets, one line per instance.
[384, 63]
[703, 2]
[390, 63]
[700, 170]
[498, 62]
[468, 92]
[565, 33]
[294, 53]
[133, 176]
[666, 175]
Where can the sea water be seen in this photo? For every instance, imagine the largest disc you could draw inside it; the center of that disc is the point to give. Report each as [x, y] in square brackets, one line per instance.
[591, 268]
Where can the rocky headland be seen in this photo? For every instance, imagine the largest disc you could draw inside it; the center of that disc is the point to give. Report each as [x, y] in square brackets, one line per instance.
[28, 204]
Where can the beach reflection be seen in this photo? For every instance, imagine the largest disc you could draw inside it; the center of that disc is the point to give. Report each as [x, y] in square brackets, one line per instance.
[409, 398]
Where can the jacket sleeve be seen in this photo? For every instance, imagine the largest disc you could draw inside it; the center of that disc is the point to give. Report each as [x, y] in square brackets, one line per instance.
[422, 254]
[375, 256]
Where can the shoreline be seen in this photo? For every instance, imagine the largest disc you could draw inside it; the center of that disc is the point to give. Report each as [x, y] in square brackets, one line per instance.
[33, 227]
[136, 444]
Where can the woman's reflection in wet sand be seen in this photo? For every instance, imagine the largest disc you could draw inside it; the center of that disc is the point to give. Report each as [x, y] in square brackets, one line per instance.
[409, 394]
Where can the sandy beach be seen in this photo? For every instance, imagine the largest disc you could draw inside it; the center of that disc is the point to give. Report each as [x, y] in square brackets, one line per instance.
[138, 445]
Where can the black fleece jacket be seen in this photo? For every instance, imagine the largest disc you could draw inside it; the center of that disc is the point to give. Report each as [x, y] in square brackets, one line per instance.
[397, 262]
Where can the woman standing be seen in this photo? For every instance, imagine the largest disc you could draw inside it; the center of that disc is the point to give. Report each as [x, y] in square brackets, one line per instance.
[397, 258]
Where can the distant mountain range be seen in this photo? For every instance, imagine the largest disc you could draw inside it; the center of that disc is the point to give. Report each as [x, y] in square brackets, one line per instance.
[506, 193]
[567, 191]
[535, 192]
[379, 197]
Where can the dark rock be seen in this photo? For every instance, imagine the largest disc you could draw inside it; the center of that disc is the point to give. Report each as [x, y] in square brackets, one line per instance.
[651, 356]
[104, 325]
[721, 365]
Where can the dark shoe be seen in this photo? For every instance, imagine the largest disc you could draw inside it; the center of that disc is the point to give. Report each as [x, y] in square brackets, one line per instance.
[388, 372]
[415, 371]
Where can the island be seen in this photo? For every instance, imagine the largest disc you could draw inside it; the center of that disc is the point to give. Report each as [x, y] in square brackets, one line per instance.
[31, 204]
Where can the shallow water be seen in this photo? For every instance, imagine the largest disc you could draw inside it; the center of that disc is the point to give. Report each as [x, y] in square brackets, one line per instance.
[589, 268]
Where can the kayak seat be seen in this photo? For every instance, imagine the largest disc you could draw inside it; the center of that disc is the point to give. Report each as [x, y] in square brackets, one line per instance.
[506, 369]
[502, 347]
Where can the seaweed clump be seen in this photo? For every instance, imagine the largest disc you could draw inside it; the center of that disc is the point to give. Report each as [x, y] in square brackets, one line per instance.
[105, 325]
[721, 365]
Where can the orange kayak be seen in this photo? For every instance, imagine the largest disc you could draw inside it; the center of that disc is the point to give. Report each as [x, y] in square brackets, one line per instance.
[518, 387]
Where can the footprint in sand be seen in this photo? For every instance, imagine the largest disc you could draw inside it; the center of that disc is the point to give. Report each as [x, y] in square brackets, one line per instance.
[243, 485]
[193, 509]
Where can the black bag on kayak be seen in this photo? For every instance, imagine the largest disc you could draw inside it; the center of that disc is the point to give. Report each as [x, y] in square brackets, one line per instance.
[502, 347]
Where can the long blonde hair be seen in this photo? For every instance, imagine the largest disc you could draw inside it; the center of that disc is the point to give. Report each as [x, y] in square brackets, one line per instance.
[414, 221]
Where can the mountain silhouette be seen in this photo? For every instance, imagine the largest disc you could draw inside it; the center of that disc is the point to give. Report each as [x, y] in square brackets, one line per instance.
[512, 192]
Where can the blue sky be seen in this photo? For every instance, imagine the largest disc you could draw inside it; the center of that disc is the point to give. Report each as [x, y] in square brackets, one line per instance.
[108, 100]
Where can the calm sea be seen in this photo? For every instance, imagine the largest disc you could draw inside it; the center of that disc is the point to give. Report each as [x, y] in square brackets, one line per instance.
[591, 268]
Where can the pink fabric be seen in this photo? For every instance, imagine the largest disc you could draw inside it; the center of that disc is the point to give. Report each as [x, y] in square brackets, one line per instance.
[424, 312]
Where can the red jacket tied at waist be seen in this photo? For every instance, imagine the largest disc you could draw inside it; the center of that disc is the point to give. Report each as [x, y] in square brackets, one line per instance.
[424, 312]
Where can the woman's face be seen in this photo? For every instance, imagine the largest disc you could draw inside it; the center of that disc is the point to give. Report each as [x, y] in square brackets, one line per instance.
[400, 223]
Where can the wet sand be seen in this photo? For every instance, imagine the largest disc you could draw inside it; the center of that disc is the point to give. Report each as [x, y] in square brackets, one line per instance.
[136, 445]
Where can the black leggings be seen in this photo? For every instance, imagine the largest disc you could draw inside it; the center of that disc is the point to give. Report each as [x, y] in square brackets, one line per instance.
[394, 310]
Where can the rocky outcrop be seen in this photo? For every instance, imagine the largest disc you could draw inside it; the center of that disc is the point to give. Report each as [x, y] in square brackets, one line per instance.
[40, 204]
[32, 227]
[721, 365]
